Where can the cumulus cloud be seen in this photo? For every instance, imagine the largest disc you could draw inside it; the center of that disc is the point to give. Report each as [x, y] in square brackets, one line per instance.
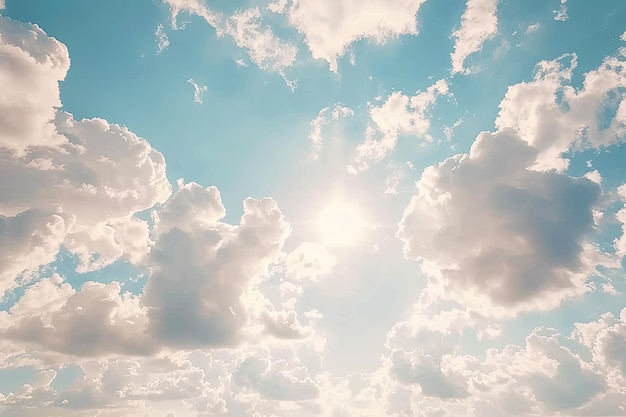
[554, 117]
[495, 232]
[202, 269]
[330, 26]
[277, 380]
[399, 115]
[96, 320]
[67, 182]
[541, 377]
[479, 23]
[33, 65]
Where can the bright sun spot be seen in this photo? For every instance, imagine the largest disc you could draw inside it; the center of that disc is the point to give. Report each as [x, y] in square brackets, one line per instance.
[341, 224]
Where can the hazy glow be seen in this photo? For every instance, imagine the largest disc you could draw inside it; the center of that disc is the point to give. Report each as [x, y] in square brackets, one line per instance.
[341, 224]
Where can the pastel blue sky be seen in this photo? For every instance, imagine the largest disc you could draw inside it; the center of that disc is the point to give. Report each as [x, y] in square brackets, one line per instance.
[298, 208]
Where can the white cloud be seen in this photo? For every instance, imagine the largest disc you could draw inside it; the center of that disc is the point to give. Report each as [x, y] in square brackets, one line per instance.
[309, 261]
[532, 28]
[323, 119]
[97, 320]
[623, 37]
[398, 115]
[196, 7]
[32, 66]
[485, 224]
[207, 267]
[161, 39]
[330, 26]
[554, 117]
[264, 48]
[620, 243]
[278, 6]
[479, 23]
[63, 185]
[560, 15]
[277, 380]
[198, 91]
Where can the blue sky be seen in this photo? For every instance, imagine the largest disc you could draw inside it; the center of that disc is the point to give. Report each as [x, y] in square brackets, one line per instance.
[312, 207]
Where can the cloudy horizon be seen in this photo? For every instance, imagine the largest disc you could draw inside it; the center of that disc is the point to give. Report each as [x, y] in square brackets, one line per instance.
[298, 208]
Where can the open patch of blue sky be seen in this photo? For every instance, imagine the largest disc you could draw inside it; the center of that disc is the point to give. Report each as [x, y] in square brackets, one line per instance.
[312, 207]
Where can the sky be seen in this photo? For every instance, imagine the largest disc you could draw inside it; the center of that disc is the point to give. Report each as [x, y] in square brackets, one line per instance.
[300, 208]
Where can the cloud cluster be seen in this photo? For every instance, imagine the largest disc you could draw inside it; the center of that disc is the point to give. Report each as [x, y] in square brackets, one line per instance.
[76, 183]
[495, 232]
[399, 115]
[245, 27]
[554, 116]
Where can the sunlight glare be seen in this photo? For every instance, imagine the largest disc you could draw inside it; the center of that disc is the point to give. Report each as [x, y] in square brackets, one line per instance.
[341, 224]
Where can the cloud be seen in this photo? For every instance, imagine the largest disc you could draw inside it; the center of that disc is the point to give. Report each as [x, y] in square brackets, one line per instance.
[554, 117]
[606, 340]
[32, 66]
[67, 182]
[195, 7]
[329, 27]
[278, 6]
[96, 320]
[399, 115]
[264, 48]
[309, 261]
[494, 232]
[278, 380]
[161, 39]
[479, 23]
[560, 15]
[620, 243]
[202, 269]
[198, 91]
[418, 368]
[324, 117]
[245, 26]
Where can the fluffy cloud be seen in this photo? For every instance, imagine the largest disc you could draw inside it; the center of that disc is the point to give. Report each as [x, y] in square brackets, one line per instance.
[32, 66]
[66, 182]
[399, 115]
[330, 26]
[202, 269]
[278, 380]
[479, 23]
[97, 320]
[542, 377]
[554, 117]
[494, 232]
